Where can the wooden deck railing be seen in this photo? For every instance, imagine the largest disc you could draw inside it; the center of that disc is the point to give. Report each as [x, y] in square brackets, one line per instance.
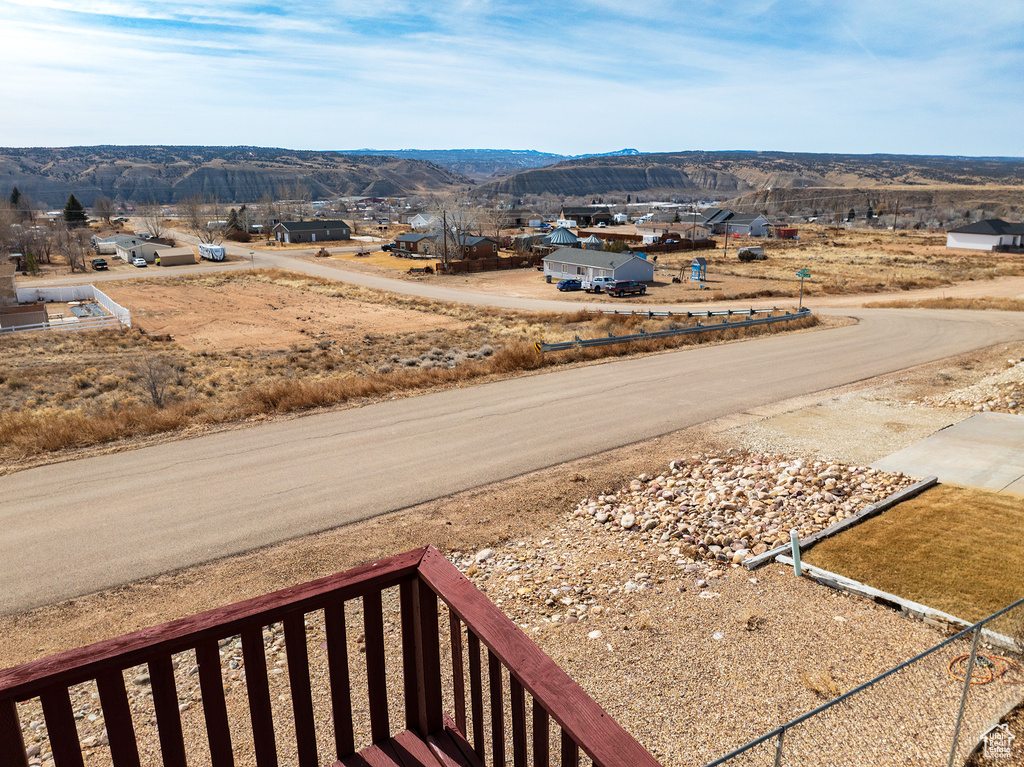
[422, 577]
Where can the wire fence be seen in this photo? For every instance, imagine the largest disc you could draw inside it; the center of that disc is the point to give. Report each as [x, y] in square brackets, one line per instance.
[931, 710]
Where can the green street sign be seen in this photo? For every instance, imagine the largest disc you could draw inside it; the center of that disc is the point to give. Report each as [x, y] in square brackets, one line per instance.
[803, 273]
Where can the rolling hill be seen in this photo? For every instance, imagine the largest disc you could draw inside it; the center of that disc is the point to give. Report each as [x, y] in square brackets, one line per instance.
[167, 174]
[733, 174]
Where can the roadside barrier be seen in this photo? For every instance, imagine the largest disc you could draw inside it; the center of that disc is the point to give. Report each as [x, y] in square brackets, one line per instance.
[674, 331]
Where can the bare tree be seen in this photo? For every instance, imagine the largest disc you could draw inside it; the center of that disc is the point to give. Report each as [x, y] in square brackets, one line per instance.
[156, 374]
[494, 218]
[72, 243]
[196, 216]
[103, 207]
[149, 216]
[455, 220]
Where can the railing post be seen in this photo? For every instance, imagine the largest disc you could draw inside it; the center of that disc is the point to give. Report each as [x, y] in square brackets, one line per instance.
[778, 748]
[428, 658]
[964, 694]
[12, 744]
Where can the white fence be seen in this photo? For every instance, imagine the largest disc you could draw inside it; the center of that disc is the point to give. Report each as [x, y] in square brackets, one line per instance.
[119, 316]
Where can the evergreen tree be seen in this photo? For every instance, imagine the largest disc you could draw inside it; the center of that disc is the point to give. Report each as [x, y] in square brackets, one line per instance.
[74, 213]
[15, 198]
[870, 214]
[232, 224]
[851, 215]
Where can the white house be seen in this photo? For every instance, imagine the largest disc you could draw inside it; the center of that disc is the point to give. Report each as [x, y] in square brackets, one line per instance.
[579, 264]
[424, 221]
[139, 248]
[986, 235]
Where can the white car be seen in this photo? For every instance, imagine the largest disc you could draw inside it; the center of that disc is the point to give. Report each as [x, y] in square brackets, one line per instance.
[138, 261]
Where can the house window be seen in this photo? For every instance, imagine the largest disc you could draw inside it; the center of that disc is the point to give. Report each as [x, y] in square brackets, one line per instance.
[580, 270]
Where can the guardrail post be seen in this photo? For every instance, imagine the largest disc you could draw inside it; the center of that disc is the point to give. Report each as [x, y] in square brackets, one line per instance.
[964, 694]
[778, 748]
[794, 540]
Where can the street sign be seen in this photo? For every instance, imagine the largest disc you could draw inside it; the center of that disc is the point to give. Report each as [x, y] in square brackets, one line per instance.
[803, 273]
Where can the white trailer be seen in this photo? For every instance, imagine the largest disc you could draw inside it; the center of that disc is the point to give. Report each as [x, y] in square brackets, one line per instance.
[211, 252]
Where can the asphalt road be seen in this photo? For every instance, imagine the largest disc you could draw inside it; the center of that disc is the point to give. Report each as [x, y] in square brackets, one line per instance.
[76, 527]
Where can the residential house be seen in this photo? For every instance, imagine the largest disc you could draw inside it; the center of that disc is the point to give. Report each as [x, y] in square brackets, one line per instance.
[587, 215]
[987, 234]
[317, 230]
[725, 221]
[415, 244]
[138, 249]
[580, 264]
[107, 245]
[478, 247]
[424, 221]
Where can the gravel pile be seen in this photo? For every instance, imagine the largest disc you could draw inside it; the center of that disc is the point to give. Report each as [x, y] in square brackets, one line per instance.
[725, 509]
[1001, 392]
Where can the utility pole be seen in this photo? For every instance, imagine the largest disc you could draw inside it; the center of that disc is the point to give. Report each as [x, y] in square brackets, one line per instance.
[726, 254]
[444, 236]
[894, 217]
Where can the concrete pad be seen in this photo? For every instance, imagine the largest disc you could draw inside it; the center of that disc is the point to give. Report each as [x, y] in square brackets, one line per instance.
[985, 452]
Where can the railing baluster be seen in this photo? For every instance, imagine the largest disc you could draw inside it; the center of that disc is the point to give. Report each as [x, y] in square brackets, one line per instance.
[541, 740]
[60, 726]
[168, 717]
[376, 672]
[341, 687]
[458, 672]
[497, 710]
[215, 710]
[298, 682]
[410, 669]
[256, 684]
[570, 751]
[428, 659]
[515, 691]
[12, 743]
[476, 694]
[117, 714]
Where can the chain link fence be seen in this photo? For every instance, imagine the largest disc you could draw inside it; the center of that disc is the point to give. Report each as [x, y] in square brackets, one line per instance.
[931, 710]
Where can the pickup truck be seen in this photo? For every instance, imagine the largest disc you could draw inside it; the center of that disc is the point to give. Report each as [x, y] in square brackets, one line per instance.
[99, 264]
[622, 288]
[597, 284]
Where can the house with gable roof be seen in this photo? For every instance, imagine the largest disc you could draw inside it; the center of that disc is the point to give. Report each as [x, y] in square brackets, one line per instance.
[581, 264]
[987, 234]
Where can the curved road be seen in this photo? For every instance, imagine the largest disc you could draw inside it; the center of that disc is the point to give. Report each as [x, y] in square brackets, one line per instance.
[77, 527]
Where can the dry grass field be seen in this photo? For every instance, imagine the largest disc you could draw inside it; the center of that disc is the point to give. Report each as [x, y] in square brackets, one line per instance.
[954, 549]
[223, 348]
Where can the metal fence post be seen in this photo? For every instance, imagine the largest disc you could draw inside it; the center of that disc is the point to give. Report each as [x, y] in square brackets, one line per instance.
[778, 748]
[964, 694]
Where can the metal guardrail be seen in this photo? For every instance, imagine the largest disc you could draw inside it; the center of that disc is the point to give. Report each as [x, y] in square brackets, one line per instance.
[693, 329]
[771, 747]
[689, 315]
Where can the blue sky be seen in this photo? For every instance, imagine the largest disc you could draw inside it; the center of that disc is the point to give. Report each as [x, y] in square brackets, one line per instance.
[899, 76]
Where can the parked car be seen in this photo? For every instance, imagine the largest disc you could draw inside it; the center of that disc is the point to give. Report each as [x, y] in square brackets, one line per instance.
[388, 247]
[597, 284]
[99, 265]
[138, 261]
[570, 285]
[621, 288]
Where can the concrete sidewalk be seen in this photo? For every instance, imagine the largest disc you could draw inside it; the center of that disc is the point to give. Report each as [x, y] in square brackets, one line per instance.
[985, 452]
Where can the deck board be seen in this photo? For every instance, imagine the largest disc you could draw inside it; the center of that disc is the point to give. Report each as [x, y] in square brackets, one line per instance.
[409, 749]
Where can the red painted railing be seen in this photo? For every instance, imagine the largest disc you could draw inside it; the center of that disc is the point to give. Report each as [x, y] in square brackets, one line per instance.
[422, 577]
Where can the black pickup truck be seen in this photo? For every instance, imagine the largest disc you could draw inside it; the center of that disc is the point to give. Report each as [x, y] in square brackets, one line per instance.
[621, 288]
[99, 265]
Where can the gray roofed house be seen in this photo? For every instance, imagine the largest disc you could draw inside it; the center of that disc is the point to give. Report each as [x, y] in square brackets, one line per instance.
[576, 263]
[587, 216]
[317, 230]
[414, 243]
[720, 220]
[987, 234]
